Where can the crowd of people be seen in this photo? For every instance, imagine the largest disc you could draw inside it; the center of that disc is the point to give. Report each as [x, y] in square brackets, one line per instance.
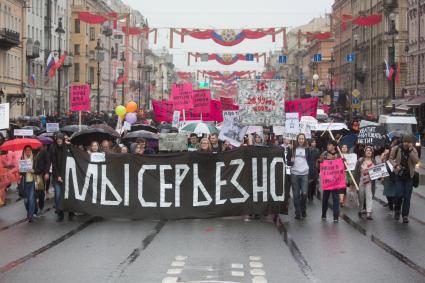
[302, 157]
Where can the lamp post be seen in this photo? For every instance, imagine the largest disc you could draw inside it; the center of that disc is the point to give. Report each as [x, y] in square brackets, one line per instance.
[391, 57]
[123, 61]
[98, 54]
[59, 30]
[315, 81]
[139, 69]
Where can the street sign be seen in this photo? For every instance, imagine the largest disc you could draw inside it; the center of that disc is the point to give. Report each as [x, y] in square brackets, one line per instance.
[204, 85]
[356, 93]
[249, 57]
[283, 59]
[317, 57]
[356, 103]
[350, 57]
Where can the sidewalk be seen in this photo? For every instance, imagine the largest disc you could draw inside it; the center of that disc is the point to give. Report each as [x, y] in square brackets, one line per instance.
[421, 168]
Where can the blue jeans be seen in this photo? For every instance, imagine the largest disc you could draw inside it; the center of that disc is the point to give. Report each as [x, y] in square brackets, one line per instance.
[335, 202]
[29, 200]
[57, 188]
[404, 189]
[299, 190]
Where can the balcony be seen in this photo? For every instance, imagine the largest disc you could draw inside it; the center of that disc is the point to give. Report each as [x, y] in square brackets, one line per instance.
[8, 38]
[33, 49]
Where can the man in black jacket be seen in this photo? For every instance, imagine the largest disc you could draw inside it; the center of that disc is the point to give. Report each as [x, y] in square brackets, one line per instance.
[41, 168]
[57, 155]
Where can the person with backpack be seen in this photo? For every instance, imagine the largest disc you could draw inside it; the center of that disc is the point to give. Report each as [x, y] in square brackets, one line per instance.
[404, 158]
[28, 181]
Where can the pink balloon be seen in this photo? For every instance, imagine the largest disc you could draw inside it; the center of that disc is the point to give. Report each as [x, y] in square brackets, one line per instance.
[131, 118]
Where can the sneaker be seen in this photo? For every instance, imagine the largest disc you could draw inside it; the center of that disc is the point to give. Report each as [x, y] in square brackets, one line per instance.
[30, 219]
[405, 219]
[336, 219]
[304, 214]
[297, 217]
[397, 215]
[323, 217]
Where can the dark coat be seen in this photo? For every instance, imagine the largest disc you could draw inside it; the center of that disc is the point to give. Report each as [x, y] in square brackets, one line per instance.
[42, 162]
[313, 156]
[57, 157]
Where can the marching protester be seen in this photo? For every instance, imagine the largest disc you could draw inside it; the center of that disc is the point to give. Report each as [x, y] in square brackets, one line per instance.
[404, 158]
[216, 146]
[205, 146]
[105, 146]
[288, 163]
[42, 175]
[362, 177]
[389, 181]
[299, 176]
[193, 142]
[330, 154]
[343, 191]
[313, 170]
[28, 183]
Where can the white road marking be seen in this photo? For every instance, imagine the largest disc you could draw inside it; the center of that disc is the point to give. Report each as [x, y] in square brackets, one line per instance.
[178, 263]
[257, 272]
[238, 273]
[255, 258]
[237, 265]
[255, 264]
[174, 271]
[259, 279]
[170, 280]
[181, 258]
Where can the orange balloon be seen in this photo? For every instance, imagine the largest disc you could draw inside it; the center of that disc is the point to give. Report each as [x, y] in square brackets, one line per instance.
[131, 107]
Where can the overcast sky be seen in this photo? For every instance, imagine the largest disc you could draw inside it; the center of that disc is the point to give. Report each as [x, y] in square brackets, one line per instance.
[219, 14]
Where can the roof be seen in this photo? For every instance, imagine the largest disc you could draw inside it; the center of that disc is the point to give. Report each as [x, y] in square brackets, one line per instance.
[388, 119]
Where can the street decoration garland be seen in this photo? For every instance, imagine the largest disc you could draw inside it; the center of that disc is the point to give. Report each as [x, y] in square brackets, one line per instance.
[225, 76]
[185, 76]
[225, 59]
[227, 37]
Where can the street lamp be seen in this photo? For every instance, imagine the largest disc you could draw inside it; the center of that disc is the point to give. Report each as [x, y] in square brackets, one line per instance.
[391, 54]
[59, 30]
[98, 54]
[139, 69]
[122, 59]
[315, 81]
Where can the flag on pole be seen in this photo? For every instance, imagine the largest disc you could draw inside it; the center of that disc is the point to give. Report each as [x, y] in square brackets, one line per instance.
[57, 65]
[397, 75]
[32, 80]
[50, 63]
[389, 71]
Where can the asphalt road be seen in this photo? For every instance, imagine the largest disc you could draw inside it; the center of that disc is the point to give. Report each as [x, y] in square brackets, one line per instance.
[235, 249]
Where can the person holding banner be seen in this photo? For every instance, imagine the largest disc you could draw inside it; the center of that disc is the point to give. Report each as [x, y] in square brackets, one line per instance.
[361, 175]
[330, 154]
[299, 176]
[313, 170]
[404, 158]
[205, 145]
[28, 182]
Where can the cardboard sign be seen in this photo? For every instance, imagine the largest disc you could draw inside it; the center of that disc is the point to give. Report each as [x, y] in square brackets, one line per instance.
[182, 96]
[304, 107]
[307, 125]
[25, 165]
[332, 174]
[201, 100]
[351, 159]
[378, 171]
[172, 142]
[261, 102]
[4, 116]
[232, 130]
[52, 127]
[97, 157]
[23, 132]
[372, 135]
[79, 96]
[292, 126]
[279, 130]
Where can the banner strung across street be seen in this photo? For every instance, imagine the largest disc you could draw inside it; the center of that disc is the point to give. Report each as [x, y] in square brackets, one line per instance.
[372, 135]
[304, 106]
[332, 174]
[261, 102]
[248, 180]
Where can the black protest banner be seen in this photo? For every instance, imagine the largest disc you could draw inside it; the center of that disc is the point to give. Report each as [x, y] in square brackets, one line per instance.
[372, 135]
[248, 180]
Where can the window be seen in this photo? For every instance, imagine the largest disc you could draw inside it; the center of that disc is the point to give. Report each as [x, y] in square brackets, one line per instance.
[77, 26]
[77, 49]
[76, 72]
[91, 75]
[92, 34]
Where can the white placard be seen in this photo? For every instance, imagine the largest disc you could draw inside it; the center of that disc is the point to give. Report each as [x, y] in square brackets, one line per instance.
[25, 165]
[126, 126]
[176, 119]
[97, 157]
[52, 127]
[351, 159]
[278, 130]
[232, 130]
[331, 126]
[4, 116]
[378, 171]
[292, 126]
[308, 124]
[23, 132]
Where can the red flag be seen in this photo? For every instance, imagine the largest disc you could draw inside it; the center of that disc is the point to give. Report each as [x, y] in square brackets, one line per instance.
[390, 73]
[57, 65]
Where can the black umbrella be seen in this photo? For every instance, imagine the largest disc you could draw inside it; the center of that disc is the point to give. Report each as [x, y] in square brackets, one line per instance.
[107, 128]
[149, 128]
[95, 121]
[87, 136]
[70, 129]
[133, 136]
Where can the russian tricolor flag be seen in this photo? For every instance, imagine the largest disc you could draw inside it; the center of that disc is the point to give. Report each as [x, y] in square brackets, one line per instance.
[50, 63]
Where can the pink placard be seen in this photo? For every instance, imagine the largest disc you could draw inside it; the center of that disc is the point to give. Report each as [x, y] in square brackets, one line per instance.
[181, 96]
[304, 107]
[79, 96]
[201, 100]
[228, 104]
[163, 111]
[332, 174]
